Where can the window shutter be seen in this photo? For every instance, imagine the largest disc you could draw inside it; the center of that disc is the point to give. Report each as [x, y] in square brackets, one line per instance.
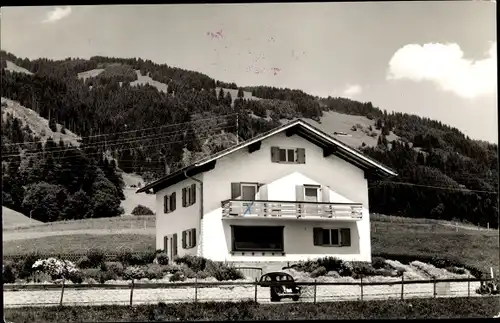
[263, 192]
[235, 190]
[275, 154]
[165, 243]
[184, 239]
[173, 201]
[345, 236]
[184, 197]
[165, 204]
[325, 194]
[193, 235]
[299, 193]
[193, 194]
[301, 155]
[174, 247]
[318, 236]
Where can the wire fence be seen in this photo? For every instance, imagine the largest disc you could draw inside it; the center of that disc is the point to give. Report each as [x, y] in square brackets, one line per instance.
[134, 293]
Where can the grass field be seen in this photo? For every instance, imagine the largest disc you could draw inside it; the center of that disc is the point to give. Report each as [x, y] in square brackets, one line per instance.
[80, 244]
[12, 219]
[484, 307]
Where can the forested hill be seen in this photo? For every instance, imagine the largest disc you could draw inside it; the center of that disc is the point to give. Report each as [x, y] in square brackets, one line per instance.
[152, 118]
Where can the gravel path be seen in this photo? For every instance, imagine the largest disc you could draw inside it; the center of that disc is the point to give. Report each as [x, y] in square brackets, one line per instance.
[228, 293]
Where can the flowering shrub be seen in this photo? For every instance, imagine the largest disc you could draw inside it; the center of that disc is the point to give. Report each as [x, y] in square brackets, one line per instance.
[56, 268]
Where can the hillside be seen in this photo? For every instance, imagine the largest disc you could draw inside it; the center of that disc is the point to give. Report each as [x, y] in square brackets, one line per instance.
[151, 118]
[12, 219]
[38, 125]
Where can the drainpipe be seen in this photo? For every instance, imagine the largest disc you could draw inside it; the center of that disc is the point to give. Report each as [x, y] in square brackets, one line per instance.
[201, 211]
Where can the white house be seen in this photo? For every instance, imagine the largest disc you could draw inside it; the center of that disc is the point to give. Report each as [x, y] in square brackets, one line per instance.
[293, 193]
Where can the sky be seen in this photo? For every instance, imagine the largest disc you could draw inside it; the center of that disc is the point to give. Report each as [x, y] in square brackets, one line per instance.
[433, 59]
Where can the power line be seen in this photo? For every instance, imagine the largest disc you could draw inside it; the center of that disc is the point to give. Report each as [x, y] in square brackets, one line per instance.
[131, 131]
[156, 145]
[436, 187]
[125, 141]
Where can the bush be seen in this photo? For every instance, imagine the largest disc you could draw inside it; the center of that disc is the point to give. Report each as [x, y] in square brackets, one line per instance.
[188, 272]
[378, 262]
[84, 263]
[194, 262]
[142, 210]
[162, 258]
[106, 275]
[56, 268]
[363, 270]
[222, 271]
[320, 271]
[8, 274]
[154, 271]
[125, 257]
[115, 267]
[134, 272]
[330, 263]
[137, 259]
[40, 277]
[178, 276]
[76, 277]
[202, 275]
[26, 265]
[93, 273]
[95, 257]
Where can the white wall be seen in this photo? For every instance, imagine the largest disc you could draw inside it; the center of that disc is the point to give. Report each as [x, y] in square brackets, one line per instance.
[183, 218]
[346, 182]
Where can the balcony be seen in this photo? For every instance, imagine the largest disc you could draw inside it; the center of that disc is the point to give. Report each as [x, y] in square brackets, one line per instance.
[238, 209]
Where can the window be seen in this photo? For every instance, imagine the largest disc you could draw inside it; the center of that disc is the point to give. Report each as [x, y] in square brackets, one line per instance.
[257, 238]
[311, 193]
[248, 192]
[169, 203]
[332, 237]
[189, 239]
[288, 155]
[174, 246]
[189, 195]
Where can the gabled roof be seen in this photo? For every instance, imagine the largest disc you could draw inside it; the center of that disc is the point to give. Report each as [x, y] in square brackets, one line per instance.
[299, 127]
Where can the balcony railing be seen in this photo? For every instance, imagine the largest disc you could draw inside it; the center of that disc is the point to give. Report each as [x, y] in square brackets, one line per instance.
[288, 209]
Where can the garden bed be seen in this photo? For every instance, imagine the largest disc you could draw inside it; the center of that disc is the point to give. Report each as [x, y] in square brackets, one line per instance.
[155, 268]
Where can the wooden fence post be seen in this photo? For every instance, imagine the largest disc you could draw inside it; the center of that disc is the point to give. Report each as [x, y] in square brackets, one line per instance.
[255, 290]
[402, 287]
[435, 293]
[196, 289]
[456, 226]
[315, 291]
[62, 293]
[468, 286]
[361, 285]
[131, 292]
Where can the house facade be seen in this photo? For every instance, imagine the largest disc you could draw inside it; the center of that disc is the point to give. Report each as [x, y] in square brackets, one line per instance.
[294, 193]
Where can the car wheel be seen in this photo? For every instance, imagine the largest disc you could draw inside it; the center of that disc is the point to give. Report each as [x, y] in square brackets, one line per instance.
[295, 298]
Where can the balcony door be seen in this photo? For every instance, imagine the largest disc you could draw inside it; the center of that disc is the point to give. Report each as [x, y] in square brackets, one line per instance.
[311, 194]
[248, 193]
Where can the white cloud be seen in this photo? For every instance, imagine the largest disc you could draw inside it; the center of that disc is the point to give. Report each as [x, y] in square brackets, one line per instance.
[353, 90]
[445, 65]
[57, 14]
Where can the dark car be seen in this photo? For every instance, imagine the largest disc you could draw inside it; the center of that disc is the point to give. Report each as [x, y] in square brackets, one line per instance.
[282, 285]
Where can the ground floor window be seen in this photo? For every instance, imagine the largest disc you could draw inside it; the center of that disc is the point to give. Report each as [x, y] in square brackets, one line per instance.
[332, 237]
[257, 238]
